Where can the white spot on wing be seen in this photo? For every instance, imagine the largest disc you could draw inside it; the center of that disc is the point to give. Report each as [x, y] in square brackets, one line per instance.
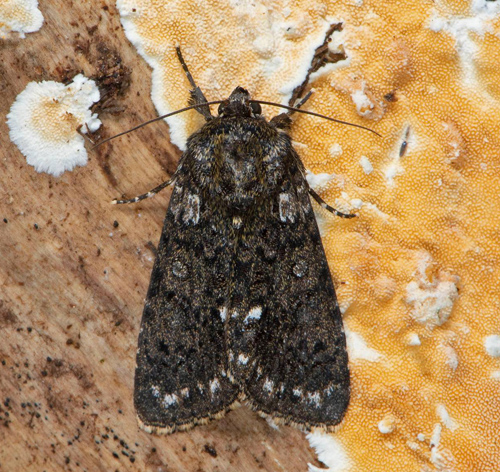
[179, 269]
[286, 208]
[214, 385]
[314, 399]
[242, 359]
[169, 400]
[297, 392]
[271, 423]
[268, 385]
[155, 391]
[237, 221]
[223, 313]
[329, 390]
[254, 314]
[192, 210]
[185, 392]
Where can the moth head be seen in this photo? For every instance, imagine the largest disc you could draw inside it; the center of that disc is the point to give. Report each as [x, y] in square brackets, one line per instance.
[238, 104]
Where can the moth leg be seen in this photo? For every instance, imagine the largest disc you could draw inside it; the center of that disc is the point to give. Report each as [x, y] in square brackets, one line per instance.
[325, 205]
[197, 97]
[150, 194]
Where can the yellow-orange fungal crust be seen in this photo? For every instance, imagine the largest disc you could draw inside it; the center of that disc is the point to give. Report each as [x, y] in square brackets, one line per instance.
[428, 218]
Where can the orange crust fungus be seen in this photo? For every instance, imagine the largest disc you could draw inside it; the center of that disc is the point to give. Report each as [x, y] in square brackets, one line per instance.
[417, 272]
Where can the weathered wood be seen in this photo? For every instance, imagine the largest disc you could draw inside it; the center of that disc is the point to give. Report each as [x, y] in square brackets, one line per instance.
[74, 272]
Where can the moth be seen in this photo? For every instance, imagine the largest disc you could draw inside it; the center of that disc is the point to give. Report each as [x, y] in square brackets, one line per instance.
[241, 305]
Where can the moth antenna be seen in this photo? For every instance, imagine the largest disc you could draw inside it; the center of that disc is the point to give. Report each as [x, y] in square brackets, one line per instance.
[312, 113]
[156, 119]
[197, 96]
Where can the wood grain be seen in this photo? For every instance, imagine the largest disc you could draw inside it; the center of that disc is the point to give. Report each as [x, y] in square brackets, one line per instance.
[74, 272]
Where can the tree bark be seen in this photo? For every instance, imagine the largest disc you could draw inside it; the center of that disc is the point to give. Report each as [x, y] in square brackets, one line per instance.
[74, 272]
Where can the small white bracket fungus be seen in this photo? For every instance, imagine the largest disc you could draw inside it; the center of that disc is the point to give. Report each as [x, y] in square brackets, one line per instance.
[19, 16]
[44, 122]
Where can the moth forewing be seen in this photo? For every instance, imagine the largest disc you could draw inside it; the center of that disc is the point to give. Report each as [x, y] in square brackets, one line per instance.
[241, 304]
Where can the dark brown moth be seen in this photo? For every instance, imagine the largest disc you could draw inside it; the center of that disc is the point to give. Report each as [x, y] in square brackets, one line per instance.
[241, 304]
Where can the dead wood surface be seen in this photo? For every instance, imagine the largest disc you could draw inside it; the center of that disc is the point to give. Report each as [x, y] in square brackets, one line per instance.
[74, 271]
